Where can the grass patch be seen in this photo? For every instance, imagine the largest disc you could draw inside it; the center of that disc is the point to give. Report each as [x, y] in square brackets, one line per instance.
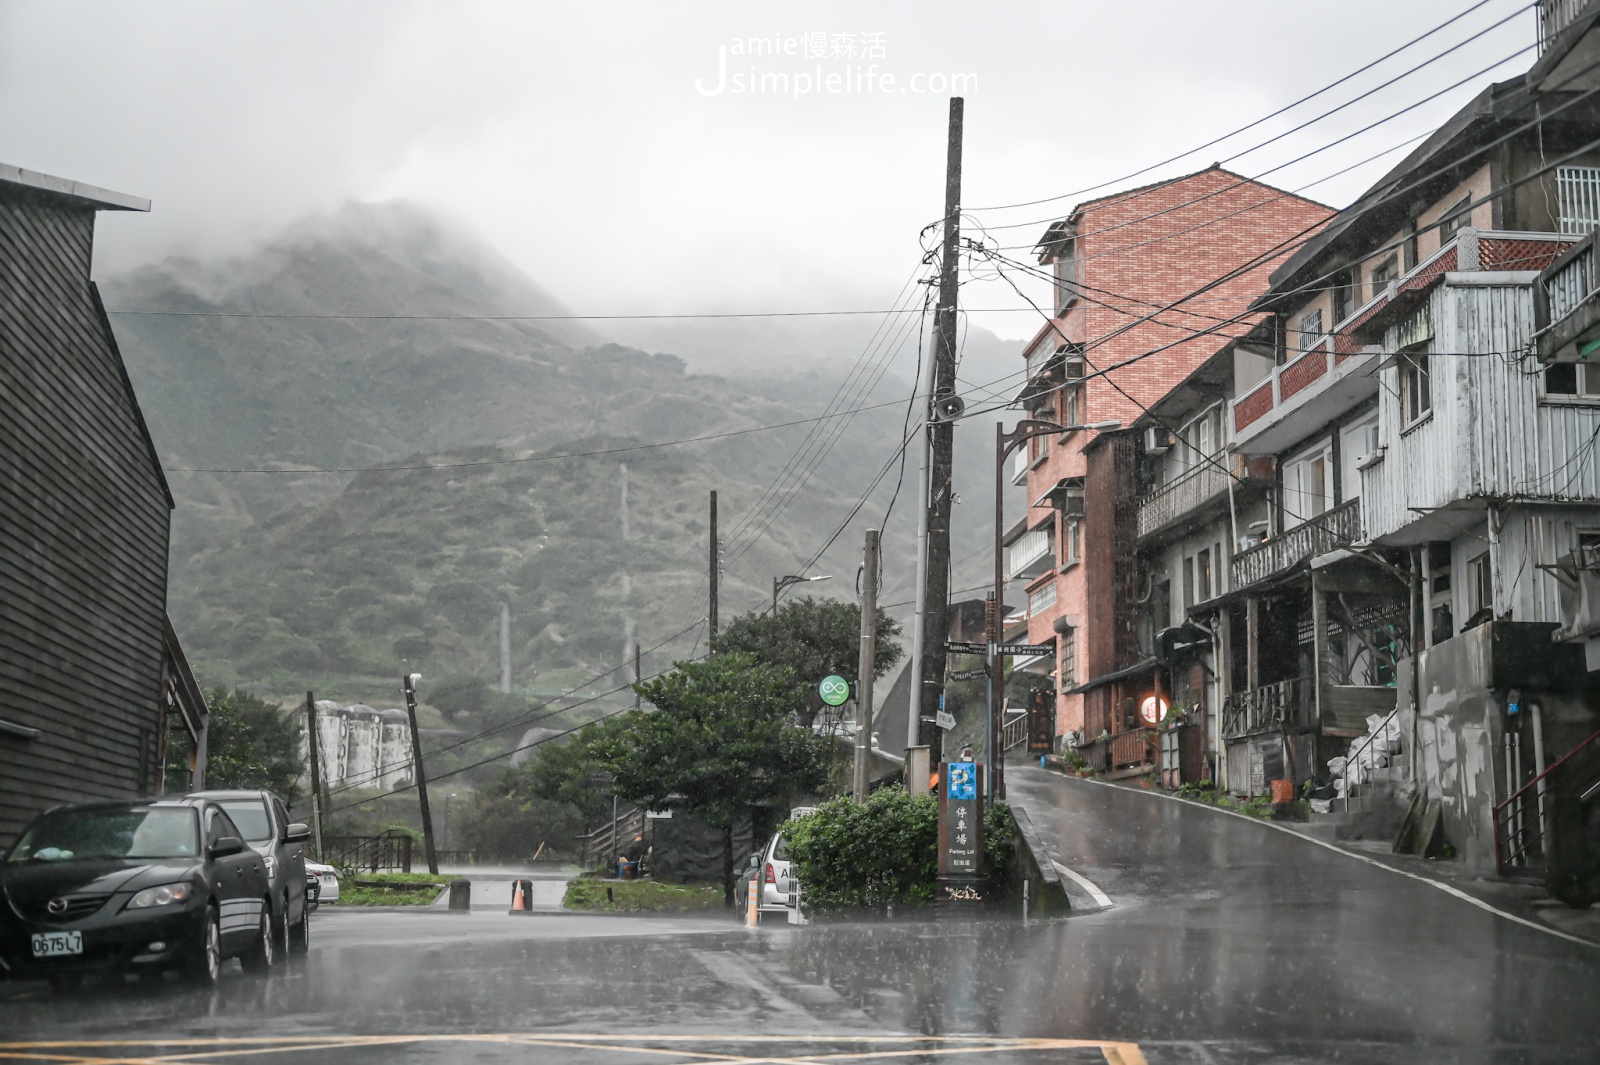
[639, 896]
[1204, 791]
[390, 889]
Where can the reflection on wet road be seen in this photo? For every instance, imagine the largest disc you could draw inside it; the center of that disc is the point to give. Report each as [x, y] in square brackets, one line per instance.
[1226, 942]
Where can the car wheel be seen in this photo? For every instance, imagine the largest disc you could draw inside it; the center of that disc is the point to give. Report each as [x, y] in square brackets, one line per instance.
[205, 960]
[280, 929]
[300, 932]
[259, 958]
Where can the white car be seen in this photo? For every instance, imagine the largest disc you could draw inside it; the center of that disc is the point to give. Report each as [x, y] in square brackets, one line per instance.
[328, 877]
[774, 868]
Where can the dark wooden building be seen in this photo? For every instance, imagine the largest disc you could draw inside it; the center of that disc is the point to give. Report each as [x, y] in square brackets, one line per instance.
[90, 671]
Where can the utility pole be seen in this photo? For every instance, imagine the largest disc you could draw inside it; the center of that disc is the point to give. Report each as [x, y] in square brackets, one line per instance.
[315, 758]
[941, 445]
[408, 684]
[716, 564]
[995, 701]
[638, 676]
[869, 639]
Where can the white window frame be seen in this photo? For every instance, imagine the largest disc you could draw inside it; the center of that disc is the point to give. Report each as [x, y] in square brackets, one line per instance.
[1309, 332]
[1298, 473]
[1588, 383]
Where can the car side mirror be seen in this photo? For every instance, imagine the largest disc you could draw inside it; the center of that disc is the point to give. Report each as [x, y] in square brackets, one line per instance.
[297, 833]
[225, 846]
[755, 860]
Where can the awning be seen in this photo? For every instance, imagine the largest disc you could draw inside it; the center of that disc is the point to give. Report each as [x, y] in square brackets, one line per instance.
[1144, 666]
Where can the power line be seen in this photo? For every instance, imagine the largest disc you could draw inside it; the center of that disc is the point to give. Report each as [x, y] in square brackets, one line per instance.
[1252, 125]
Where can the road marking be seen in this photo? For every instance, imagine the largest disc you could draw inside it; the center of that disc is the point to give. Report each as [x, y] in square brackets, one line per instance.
[849, 1046]
[1448, 889]
[1084, 882]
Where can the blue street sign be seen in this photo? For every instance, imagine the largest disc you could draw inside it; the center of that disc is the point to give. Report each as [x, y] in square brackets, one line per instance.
[963, 780]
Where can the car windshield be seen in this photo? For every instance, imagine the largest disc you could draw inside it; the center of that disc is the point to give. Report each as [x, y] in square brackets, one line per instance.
[251, 817]
[127, 832]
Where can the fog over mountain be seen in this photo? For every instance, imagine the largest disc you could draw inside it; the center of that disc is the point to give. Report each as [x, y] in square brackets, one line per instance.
[284, 574]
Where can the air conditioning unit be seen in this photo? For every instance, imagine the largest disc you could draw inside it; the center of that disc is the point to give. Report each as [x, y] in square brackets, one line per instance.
[1156, 440]
[1073, 368]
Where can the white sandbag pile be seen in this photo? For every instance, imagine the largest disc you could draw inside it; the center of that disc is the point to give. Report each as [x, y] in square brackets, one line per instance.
[1372, 751]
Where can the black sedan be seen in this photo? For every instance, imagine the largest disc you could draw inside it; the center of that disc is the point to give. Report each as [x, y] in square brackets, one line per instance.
[138, 886]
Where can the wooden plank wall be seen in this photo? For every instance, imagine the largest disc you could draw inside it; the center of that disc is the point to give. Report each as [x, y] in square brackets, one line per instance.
[84, 524]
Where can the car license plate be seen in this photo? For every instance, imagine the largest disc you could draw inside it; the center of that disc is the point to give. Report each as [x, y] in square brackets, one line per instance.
[56, 944]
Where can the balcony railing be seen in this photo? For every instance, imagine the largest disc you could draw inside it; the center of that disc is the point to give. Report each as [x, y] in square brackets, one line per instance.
[1172, 501]
[1328, 531]
[1268, 708]
[1569, 283]
[1555, 16]
[1030, 555]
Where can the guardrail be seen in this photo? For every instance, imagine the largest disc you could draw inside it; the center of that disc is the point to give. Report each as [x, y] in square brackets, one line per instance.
[390, 851]
[1576, 773]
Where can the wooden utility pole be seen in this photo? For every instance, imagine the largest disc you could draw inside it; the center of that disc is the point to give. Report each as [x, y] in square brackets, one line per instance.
[408, 684]
[867, 661]
[314, 756]
[716, 565]
[941, 445]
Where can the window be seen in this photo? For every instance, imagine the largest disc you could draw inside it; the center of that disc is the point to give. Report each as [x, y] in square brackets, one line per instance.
[1384, 273]
[1307, 489]
[1480, 589]
[1069, 658]
[1067, 276]
[1578, 194]
[1042, 599]
[1357, 444]
[1202, 575]
[1071, 403]
[1455, 219]
[1072, 542]
[1041, 447]
[1188, 582]
[1344, 296]
[1572, 379]
[1309, 330]
[1200, 439]
[1416, 387]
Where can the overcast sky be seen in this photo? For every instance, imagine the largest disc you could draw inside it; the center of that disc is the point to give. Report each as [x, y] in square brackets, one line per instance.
[589, 142]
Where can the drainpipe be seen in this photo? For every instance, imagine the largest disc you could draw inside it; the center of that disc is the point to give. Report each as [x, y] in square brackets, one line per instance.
[1418, 576]
[1496, 594]
[1538, 787]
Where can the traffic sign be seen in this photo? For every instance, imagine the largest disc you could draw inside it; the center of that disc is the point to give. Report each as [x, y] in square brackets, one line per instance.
[1028, 650]
[834, 689]
[967, 648]
[970, 674]
[945, 719]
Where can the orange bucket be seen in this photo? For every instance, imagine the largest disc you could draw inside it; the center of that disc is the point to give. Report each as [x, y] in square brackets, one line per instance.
[1283, 791]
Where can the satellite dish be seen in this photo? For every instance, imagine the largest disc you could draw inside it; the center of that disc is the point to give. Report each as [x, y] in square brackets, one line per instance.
[948, 408]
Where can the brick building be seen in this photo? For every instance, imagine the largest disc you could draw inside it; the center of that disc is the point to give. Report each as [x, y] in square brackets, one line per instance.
[1118, 262]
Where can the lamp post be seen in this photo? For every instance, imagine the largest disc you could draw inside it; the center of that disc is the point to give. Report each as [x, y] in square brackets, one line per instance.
[780, 583]
[1005, 444]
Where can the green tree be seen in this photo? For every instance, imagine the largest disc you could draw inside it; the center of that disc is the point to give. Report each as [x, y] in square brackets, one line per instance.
[569, 773]
[813, 637]
[717, 742]
[511, 819]
[250, 743]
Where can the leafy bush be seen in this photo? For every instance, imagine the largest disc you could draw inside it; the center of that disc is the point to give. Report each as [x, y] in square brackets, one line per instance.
[874, 855]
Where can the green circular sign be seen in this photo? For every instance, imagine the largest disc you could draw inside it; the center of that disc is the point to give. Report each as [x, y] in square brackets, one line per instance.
[834, 689]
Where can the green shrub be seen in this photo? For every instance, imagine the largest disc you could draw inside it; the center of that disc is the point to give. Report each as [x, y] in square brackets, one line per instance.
[872, 855]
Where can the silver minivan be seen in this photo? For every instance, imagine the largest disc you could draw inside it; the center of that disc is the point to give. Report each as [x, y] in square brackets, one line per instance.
[264, 820]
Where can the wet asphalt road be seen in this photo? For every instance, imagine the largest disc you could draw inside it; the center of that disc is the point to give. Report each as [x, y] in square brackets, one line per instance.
[1226, 941]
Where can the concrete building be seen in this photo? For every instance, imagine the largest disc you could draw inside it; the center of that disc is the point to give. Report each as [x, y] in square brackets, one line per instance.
[360, 747]
[1109, 352]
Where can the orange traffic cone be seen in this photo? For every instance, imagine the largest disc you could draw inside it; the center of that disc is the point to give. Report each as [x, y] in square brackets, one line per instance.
[519, 896]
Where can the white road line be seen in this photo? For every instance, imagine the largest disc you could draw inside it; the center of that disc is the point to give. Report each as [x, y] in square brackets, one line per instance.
[1448, 889]
[1084, 882]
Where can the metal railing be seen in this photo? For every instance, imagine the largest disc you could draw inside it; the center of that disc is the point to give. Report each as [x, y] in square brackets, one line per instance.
[1267, 708]
[1172, 501]
[1555, 16]
[1014, 733]
[390, 851]
[1354, 753]
[1023, 557]
[1567, 284]
[457, 857]
[1329, 530]
[599, 843]
[1575, 774]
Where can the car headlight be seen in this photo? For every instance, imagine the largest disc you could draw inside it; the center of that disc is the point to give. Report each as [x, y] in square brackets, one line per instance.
[164, 895]
[272, 865]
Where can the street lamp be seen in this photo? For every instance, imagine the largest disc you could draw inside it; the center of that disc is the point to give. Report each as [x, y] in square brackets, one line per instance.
[780, 583]
[1004, 444]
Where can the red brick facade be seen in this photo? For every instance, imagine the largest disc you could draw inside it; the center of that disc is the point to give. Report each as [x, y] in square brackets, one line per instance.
[1139, 251]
